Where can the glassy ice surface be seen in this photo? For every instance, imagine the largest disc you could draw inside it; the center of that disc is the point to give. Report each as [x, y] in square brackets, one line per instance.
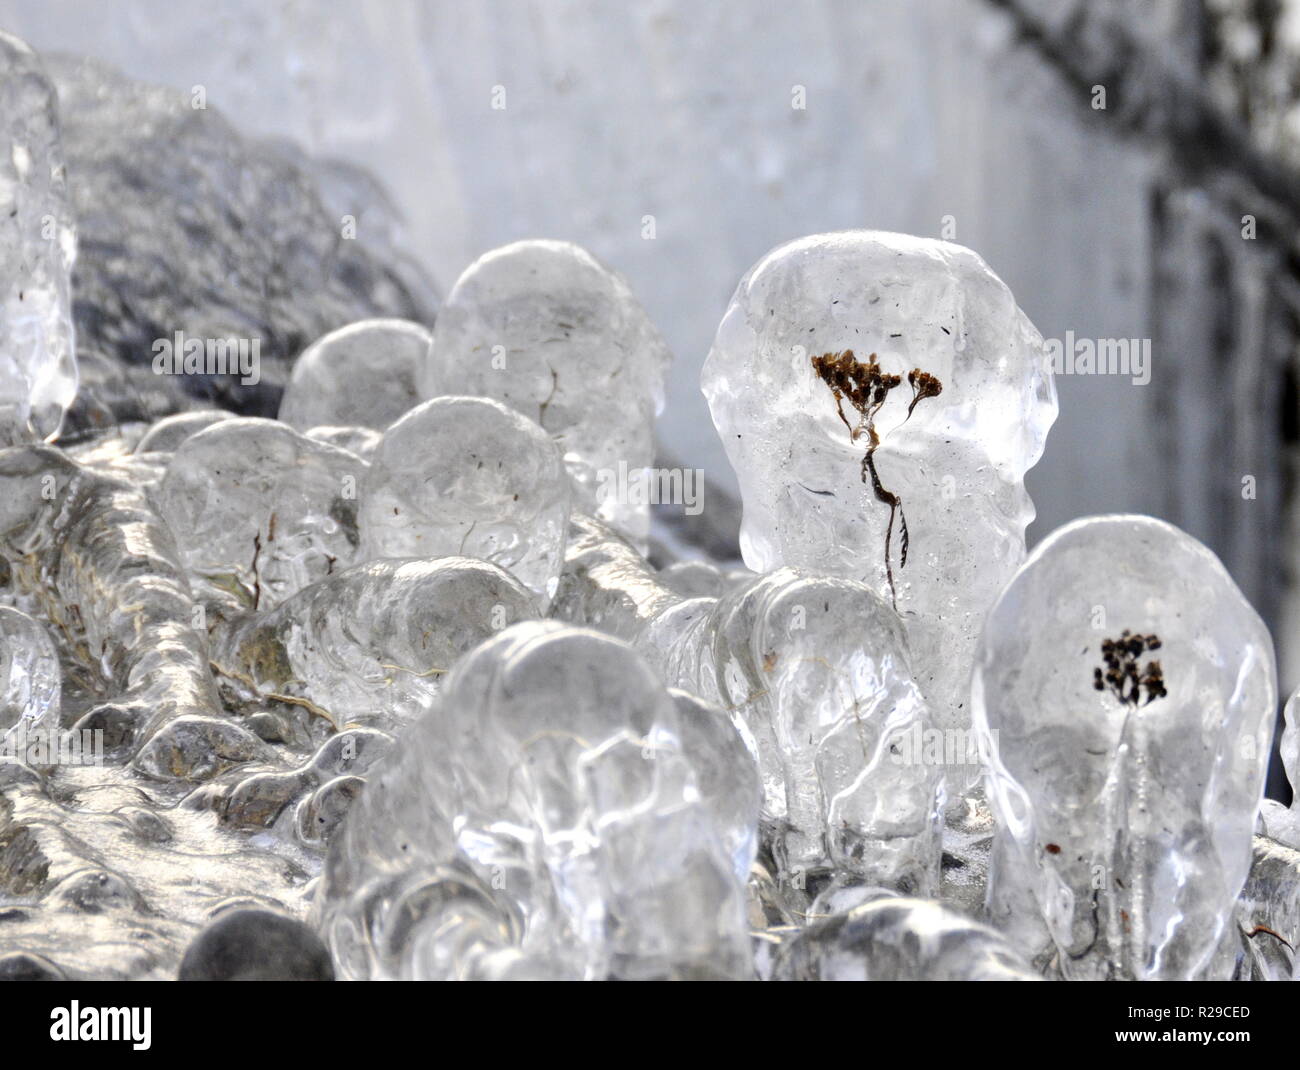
[168, 433]
[817, 669]
[606, 584]
[1280, 822]
[725, 759]
[362, 375]
[547, 329]
[94, 557]
[544, 819]
[371, 644]
[260, 511]
[363, 441]
[953, 462]
[29, 674]
[464, 475]
[38, 368]
[1127, 692]
[694, 579]
[896, 939]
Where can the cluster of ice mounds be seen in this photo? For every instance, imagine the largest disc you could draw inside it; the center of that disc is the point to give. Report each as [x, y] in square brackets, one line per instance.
[38, 369]
[1126, 785]
[956, 461]
[91, 555]
[544, 327]
[680, 757]
[552, 817]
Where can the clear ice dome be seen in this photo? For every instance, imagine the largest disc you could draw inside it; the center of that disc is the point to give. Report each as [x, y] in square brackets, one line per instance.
[955, 461]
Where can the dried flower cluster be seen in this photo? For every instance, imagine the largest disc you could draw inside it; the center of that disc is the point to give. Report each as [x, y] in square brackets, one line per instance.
[1122, 673]
[866, 388]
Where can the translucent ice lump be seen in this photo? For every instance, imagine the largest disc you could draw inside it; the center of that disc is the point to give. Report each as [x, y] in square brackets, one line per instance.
[919, 442]
[370, 644]
[1280, 822]
[93, 556]
[817, 668]
[897, 939]
[1126, 692]
[547, 329]
[466, 475]
[361, 375]
[30, 682]
[38, 368]
[544, 819]
[606, 584]
[260, 511]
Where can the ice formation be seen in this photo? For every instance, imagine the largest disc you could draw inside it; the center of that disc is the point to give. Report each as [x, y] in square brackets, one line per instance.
[821, 451]
[1126, 691]
[891, 938]
[545, 819]
[370, 645]
[260, 511]
[361, 375]
[1282, 823]
[30, 683]
[168, 433]
[91, 554]
[545, 328]
[38, 368]
[817, 668]
[317, 641]
[466, 475]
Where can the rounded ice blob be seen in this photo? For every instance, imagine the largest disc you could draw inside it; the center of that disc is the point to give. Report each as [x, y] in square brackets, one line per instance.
[881, 397]
[545, 818]
[468, 476]
[260, 511]
[549, 330]
[361, 375]
[1125, 692]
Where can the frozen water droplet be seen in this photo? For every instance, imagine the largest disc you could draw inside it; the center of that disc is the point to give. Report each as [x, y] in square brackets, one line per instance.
[547, 329]
[461, 475]
[260, 511]
[547, 809]
[816, 494]
[371, 644]
[1128, 763]
[38, 367]
[817, 669]
[362, 375]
